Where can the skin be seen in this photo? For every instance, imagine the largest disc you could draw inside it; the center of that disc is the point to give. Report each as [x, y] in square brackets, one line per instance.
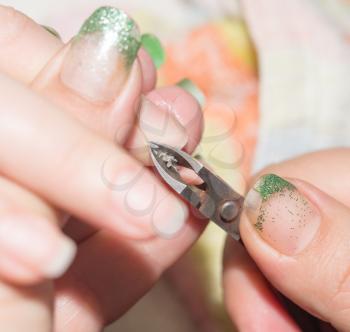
[310, 279]
[87, 297]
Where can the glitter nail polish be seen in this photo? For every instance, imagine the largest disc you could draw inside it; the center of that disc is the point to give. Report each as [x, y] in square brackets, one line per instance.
[154, 48]
[117, 28]
[281, 214]
[101, 55]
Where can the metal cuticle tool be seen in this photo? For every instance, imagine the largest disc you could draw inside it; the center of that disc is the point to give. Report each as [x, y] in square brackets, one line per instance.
[213, 198]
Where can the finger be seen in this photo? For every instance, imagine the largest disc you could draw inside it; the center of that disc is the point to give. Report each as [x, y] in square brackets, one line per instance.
[312, 167]
[185, 108]
[156, 122]
[108, 120]
[113, 120]
[98, 65]
[298, 236]
[32, 250]
[111, 273]
[32, 246]
[98, 78]
[249, 300]
[21, 35]
[77, 170]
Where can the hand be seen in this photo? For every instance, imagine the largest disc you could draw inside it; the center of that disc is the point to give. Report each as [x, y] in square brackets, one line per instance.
[297, 232]
[63, 109]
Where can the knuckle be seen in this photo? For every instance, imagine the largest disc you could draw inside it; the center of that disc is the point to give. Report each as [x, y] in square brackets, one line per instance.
[13, 24]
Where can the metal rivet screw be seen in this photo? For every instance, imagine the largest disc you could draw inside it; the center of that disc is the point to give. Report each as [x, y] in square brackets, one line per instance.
[229, 211]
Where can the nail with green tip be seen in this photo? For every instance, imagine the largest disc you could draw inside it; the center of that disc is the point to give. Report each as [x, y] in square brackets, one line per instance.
[154, 48]
[101, 55]
[52, 31]
[117, 29]
[282, 215]
[192, 89]
[271, 184]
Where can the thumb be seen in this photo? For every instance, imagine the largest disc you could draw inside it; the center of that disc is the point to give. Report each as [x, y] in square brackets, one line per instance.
[299, 238]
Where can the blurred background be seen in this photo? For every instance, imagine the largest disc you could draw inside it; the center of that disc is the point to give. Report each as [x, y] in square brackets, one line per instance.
[268, 71]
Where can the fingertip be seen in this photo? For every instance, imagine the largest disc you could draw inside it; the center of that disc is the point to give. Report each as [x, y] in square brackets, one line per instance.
[33, 248]
[185, 108]
[62, 259]
[21, 36]
[291, 229]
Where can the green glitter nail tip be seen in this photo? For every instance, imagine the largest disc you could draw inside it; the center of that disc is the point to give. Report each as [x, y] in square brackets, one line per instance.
[154, 48]
[192, 89]
[270, 184]
[121, 29]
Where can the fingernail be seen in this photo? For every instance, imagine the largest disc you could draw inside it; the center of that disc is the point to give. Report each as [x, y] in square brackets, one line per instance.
[101, 55]
[159, 125]
[66, 250]
[52, 31]
[154, 48]
[192, 89]
[282, 216]
[168, 219]
[37, 244]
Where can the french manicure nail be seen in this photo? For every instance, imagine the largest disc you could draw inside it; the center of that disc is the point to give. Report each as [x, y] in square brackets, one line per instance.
[154, 48]
[282, 215]
[37, 244]
[192, 89]
[101, 55]
[161, 125]
[168, 219]
[65, 253]
[158, 125]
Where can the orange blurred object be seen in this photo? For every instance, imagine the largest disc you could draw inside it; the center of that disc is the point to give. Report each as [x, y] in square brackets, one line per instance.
[226, 76]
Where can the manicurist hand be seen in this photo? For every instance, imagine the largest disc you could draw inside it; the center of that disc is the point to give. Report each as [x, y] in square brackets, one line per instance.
[296, 228]
[66, 114]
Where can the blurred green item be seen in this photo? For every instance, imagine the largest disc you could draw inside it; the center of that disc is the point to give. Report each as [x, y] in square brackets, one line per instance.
[193, 89]
[154, 48]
